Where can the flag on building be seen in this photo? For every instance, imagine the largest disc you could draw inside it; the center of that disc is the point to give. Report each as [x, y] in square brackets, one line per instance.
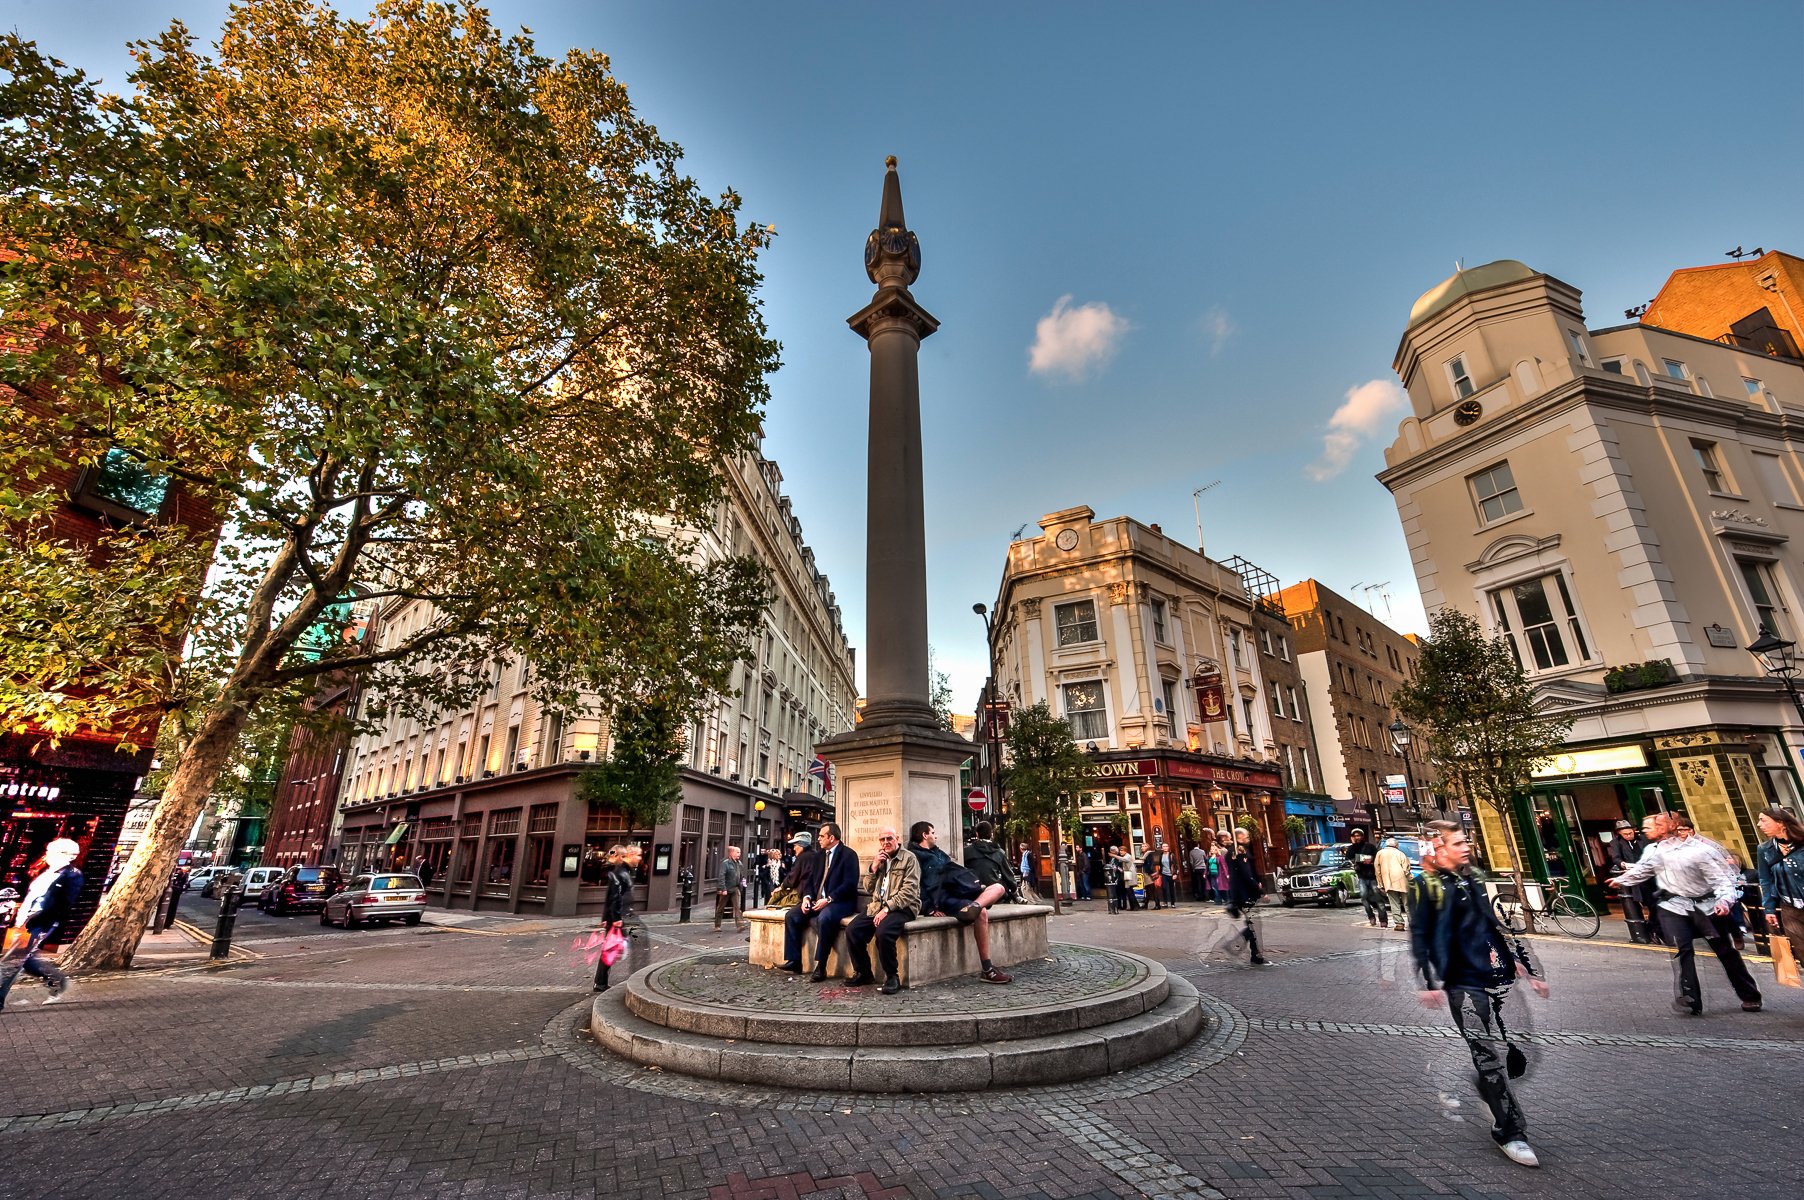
[822, 771]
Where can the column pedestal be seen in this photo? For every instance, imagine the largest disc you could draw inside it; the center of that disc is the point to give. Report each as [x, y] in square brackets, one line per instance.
[893, 776]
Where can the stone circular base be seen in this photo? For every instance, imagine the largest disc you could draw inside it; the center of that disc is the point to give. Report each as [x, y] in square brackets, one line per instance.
[1080, 1013]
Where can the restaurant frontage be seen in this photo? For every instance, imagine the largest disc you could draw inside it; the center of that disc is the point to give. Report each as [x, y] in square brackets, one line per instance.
[1565, 820]
[528, 844]
[1139, 795]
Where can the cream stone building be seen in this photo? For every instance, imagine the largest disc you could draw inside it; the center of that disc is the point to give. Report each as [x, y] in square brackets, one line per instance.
[1626, 506]
[1151, 653]
[486, 795]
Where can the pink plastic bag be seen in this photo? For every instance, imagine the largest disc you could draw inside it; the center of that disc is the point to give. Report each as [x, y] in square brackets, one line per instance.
[601, 945]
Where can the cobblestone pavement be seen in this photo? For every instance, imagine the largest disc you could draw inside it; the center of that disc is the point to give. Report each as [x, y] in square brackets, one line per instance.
[438, 1062]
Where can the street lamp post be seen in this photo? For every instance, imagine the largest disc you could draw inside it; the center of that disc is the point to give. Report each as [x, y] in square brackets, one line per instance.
[1400, 738]
[992, 730]
[1780, 660]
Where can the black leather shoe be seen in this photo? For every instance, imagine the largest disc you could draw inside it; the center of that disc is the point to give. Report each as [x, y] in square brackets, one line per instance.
[1687, 1009]
[817, 976]
[794, 968]
[860, 980]
[891, 986]
[1750, 1006]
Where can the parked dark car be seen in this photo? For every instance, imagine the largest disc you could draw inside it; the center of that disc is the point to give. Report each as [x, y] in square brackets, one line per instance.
[301, 889]
[1318, 874]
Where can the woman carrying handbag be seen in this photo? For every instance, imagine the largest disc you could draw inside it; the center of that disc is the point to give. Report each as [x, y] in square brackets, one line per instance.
[623, 934]
[1780, 860]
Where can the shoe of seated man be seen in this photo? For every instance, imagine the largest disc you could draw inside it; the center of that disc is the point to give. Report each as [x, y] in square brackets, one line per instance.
[891, 986]
[1519, 1151]
[992, 975]
[862, 979]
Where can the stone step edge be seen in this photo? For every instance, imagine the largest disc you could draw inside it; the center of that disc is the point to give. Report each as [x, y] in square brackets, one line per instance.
[1021, 1062]
[1143, 994]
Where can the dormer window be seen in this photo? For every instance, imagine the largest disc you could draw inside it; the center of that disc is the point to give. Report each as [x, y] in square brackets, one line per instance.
[1460, 377]
[1578, 347]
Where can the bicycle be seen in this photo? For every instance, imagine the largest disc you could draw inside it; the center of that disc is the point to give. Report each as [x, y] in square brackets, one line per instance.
[1574, 915]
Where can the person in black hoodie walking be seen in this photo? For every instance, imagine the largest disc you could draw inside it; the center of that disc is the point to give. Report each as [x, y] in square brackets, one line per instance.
[1244, 890]
[623, 861]
[1466, 957]
[45, 909]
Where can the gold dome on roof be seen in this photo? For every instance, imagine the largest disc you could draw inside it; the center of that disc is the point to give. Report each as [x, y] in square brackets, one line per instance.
[1464, 283]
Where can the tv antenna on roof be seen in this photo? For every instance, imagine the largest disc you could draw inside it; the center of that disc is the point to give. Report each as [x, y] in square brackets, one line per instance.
[1738, 253]
[1196, 505]
[1019, 530]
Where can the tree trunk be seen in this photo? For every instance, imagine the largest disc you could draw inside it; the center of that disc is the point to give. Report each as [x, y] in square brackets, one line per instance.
[111, 938]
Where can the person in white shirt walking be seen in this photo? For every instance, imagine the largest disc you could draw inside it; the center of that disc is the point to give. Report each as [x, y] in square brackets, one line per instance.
[1699, 885]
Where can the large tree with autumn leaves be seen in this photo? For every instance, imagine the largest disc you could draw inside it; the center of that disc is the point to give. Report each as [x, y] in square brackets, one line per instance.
[427, 315]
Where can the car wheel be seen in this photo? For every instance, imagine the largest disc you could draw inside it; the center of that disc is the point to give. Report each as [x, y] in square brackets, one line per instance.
[1339, 899]
[323, 920]
[351, 919]
[1290, 902]
[412, 918]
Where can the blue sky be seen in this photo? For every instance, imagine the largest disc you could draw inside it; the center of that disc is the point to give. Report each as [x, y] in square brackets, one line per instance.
[1168, 243]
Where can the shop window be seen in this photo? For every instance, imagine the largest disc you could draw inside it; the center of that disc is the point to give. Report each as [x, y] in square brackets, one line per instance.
[1087, 711]
[466, 848]
[1541, 623]
[541, 824]
[1075, 622]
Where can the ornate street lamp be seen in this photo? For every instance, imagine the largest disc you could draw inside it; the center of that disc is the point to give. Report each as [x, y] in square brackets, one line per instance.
[1400, 738]
[1779, 658]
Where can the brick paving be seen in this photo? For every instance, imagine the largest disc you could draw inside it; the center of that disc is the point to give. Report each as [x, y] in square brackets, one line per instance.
[439, 1063]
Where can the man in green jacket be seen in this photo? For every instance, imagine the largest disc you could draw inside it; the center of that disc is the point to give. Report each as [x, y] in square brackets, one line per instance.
[894, 884]
[988, 861]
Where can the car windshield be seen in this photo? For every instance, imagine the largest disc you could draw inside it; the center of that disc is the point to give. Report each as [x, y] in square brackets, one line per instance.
[394, 883]
[1318, 856]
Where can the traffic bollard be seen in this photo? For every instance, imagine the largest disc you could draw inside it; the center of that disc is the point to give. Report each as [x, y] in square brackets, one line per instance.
[228, 916]
[685, 893]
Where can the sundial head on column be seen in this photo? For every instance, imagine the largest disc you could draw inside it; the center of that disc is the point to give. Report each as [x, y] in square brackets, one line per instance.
[892, 254]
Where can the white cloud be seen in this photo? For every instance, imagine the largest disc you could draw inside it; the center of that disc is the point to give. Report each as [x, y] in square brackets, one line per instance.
[1363, 413]
[1070, 341]
[1218, 327]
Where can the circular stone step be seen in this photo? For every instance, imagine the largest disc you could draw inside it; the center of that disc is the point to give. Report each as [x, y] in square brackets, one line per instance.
[1008, 1036]
[1077, 987]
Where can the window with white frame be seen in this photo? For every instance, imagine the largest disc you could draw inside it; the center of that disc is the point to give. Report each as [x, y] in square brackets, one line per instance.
[1234, 645]
[1711, 464]
[1578, 347]
[1075, 622]
[1246, 710]
[1160, 633]
[1494, 490]
[1460, 377]
[1283, 647]
[1772, 474]
[1086, 711]
[1541, 623]
[1296, 710]
[1754, 386]
[1766, 596]
[1168, 690]
[1675, 370]
[1277, 701]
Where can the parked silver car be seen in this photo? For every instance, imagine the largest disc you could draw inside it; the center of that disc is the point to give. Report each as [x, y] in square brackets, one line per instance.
[385, 897]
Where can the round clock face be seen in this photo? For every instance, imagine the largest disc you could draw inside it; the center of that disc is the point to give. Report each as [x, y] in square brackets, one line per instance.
[1468, 412]
[1067, 539]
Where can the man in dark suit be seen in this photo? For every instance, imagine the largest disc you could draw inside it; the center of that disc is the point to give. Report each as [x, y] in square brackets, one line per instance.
[46, 907]
[834, 901]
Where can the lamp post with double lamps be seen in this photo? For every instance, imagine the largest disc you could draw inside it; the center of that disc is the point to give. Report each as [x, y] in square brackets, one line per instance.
[1400, 739]
[992, 726]
[1780, 660]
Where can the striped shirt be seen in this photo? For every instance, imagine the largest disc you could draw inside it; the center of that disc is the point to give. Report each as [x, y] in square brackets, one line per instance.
[1695, 872]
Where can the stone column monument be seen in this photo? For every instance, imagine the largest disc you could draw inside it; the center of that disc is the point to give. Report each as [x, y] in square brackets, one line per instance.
[898, 766]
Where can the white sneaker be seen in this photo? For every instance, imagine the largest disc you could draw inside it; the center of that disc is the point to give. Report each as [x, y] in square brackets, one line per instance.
[57, 993]
[1519, 1151]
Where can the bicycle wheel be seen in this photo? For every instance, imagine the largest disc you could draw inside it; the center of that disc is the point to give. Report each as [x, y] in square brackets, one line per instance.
[1509, 911]
[1574, 915]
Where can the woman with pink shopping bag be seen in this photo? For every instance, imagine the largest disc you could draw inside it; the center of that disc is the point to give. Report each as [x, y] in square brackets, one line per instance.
[622, 934]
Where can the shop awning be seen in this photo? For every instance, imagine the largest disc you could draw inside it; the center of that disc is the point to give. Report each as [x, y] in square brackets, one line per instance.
[396, 834]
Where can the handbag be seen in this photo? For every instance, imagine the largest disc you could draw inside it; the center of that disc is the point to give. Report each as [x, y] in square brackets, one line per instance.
[960, 883]
[784, 897]
[1785, 964]
[613, 945]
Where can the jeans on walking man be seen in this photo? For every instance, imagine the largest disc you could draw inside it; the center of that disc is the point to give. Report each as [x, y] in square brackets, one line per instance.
[1362, 856]
[45, 908]
[1702, 885]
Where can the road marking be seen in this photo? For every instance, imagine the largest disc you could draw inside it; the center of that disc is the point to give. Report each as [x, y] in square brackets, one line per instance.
[35, 1122]
[234, 981]
[1637, 1041]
